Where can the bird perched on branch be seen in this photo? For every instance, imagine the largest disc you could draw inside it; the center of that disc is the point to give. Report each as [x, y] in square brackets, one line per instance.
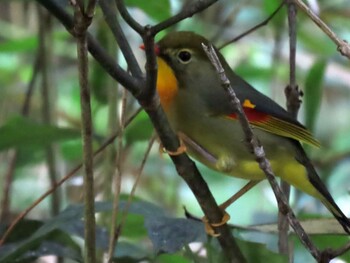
[200, 112]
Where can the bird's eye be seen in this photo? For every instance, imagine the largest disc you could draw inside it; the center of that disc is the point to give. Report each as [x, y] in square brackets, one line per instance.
[184, 56]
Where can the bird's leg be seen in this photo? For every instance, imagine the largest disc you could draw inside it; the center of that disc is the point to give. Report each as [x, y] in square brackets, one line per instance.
[209, 227]
[237, 195]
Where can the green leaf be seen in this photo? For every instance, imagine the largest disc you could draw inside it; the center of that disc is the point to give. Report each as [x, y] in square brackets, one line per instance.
[279, 17]
[72, 150]
[26, 44]
[134, 226]
[19, 132]
[157, 10]
[261, 252]
[172, 258]
[313, 92]
[140, 129]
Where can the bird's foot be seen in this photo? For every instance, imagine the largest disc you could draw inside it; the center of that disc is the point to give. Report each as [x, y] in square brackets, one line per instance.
[210, 227]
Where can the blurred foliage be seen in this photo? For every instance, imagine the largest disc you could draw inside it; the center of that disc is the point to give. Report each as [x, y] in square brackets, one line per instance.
[155, 229]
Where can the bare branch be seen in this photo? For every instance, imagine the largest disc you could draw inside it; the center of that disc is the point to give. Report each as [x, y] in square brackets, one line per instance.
[101, 56]
[186, 12]
[128, 18]
[261, 24]
[293, 104]
[110, 13]
[81, 24]
[118, 183]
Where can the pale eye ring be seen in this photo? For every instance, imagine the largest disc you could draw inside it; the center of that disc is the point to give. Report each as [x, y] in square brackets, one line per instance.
[184, 56]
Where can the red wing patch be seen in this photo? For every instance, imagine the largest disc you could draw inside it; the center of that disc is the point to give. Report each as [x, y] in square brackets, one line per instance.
[252, 115]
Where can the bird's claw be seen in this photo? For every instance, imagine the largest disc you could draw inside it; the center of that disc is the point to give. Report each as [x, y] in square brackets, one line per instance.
[180, 150]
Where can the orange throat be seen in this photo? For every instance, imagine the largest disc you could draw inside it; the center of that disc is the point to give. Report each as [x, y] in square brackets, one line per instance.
[166, 84]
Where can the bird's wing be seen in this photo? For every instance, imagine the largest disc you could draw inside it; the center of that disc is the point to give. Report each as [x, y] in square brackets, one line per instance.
[275, 124]
[265, 114]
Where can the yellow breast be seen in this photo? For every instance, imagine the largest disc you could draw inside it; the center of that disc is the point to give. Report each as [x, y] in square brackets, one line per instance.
[166, 83]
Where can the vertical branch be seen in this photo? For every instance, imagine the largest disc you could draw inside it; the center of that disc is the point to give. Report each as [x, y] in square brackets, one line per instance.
[118, 180]
[293, 105]
[111, 154]
[5, 200]
[46, 86]
[8, 178]
[133, 189]
[292, 91]
[82, 21]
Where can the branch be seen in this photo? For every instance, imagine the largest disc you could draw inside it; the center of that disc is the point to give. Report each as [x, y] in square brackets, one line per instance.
[293, 104]
[101, 56]
[114, 231]
[254, 146]
[261, 24]
[110, 14]
[342, 45]
[186, 12]
[82, 21]
[128, 18]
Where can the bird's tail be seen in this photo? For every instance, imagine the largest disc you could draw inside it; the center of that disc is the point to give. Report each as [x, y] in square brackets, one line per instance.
[325, 196]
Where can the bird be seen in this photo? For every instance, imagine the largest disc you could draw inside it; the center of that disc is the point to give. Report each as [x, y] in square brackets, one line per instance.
[201, 114]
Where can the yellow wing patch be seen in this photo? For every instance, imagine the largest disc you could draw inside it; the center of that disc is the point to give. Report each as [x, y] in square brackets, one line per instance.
[248, 104]
[286, 129]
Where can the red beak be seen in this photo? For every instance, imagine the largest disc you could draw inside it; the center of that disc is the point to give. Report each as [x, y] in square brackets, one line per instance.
[156, 48]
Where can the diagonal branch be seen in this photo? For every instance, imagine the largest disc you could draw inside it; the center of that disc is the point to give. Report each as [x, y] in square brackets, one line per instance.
[101, 56]
[342, 45]
[188, 11]
[110, 14]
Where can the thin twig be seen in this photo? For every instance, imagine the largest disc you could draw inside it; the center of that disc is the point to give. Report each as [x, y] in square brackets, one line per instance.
[193, 8]
[342, 45]
[12, 159]
[261, 24]
[65, 178]
[47, 99]
[133, 189]
[254, 146]
[118, 181]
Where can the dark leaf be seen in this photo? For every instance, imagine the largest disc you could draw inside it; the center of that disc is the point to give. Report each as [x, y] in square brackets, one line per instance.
[139, 130]
[171, 234]
[127, 252]
[54, 242]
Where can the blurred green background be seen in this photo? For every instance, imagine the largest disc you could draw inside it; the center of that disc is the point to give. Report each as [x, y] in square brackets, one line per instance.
[35, 49]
